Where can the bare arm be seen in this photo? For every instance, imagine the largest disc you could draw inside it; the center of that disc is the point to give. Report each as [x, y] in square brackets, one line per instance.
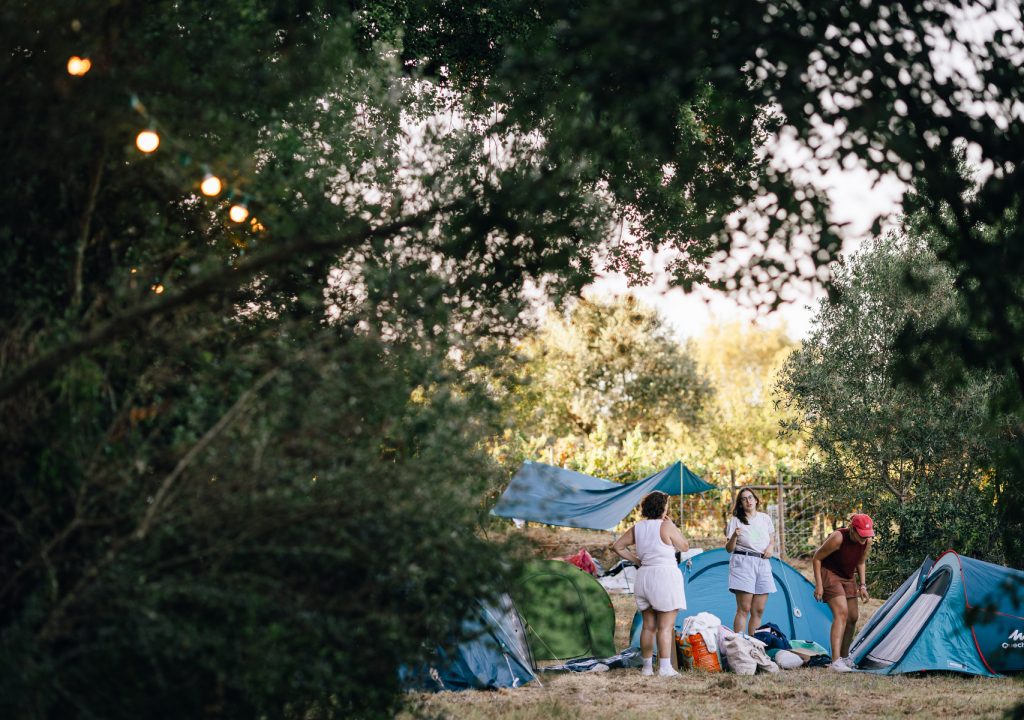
[621, 545]
[835, 540]
[730, 543]
[862, 571]
[770, 550]
[671, 535]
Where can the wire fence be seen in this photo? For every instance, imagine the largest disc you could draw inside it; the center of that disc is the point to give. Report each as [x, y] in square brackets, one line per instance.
[802, 522]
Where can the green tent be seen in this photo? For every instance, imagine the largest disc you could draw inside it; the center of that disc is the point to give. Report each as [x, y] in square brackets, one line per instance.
[567, 612]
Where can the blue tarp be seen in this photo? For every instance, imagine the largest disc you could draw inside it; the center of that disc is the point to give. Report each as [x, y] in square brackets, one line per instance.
[792, 607]
[556, 496]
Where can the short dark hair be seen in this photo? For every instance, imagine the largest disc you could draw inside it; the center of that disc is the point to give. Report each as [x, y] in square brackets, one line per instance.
[737, 508]
[652, 507]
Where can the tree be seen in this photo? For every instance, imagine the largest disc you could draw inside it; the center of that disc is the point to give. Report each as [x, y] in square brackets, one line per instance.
[918, 457]
[609, 365]
[741, 428]
[410, 167]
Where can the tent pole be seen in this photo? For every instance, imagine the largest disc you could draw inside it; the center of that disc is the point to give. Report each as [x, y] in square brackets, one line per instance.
[681, 501]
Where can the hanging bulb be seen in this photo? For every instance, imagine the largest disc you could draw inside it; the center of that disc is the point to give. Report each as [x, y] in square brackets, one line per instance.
[211, 185]
[238, 212]
[256, 225]
[78, 66]
[147, 141]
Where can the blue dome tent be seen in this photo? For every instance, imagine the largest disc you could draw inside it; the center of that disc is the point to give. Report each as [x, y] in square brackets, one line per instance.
[792, 608]
[494, 654]
[958, 615]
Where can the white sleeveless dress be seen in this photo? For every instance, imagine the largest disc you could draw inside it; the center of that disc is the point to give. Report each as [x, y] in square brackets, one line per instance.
[659, 583]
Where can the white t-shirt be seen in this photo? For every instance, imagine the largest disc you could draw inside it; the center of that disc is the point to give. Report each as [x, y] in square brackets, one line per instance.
[755, 536]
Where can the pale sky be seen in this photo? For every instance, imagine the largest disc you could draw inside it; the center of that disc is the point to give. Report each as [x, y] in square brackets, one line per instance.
[854, 200]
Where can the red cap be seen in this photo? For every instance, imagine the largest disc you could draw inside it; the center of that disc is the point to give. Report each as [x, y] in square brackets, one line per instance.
[863, 524]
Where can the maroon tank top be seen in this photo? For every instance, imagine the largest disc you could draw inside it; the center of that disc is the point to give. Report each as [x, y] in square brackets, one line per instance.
[846, 559]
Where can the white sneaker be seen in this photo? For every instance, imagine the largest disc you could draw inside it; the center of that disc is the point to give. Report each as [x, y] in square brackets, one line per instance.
[647, 671]
[668, 673]
[841, 665]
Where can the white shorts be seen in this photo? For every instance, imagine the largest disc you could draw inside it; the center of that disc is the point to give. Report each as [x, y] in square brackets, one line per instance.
[659, 587]
[750, 574]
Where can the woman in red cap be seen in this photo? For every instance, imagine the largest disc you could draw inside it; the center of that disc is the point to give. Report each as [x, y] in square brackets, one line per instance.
[842, 556]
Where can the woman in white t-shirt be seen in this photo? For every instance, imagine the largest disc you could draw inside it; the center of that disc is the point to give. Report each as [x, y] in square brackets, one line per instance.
[751, 540]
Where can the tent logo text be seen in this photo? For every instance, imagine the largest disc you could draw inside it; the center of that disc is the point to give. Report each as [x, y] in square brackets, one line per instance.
[1016, 638]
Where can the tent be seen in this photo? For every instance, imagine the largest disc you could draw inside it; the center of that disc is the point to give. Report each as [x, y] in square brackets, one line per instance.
[495, 654]
[792, 607]
[958, 614]
[566, 611]
[556, 496]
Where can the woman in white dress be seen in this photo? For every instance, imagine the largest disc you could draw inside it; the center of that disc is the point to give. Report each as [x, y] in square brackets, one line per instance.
[659, 583]
[750, 537]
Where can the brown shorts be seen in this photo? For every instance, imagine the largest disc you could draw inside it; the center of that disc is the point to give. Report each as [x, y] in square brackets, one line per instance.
[835, 586]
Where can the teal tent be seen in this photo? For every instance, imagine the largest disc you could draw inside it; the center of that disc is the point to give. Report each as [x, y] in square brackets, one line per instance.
[494, 654]
[792, 607]
[556, 496]
[957, 615]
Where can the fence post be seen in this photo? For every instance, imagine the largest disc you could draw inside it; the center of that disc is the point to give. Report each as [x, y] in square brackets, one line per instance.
[732, 496]
[782, 516]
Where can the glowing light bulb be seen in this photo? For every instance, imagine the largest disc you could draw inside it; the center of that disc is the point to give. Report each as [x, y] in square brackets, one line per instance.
[158, 289]
[211, 185]
[147, 141]
[256, 225]
[78, 66]
[238, 212]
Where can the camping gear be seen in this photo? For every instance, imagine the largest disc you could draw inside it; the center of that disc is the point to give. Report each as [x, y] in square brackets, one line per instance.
[628, 658]
[958, 615]
[495, 654]
[583, 561]
[556, 496]
[706, 625]
[786, 659]
[792, 608]
[746, 655]
[695, 653]
[620, 581]
[566, 611]
[809, 650]
[772, 637]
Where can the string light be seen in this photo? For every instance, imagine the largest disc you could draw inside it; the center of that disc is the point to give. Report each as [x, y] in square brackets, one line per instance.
[158, 288]
[147, 141]
[78, 66]
[238, 212]
[211, 185]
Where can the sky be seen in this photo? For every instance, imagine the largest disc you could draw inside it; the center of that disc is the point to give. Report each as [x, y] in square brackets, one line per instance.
[855, 200]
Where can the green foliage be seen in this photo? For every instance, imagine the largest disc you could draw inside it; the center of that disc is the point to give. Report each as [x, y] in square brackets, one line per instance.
[608, 365]
[918, 457]
[740, 431]
[415, 165]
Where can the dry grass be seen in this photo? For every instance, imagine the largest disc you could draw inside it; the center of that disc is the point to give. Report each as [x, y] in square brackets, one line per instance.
[624, 694]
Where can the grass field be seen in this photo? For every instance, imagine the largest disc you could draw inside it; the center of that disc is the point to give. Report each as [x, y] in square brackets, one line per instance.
[624, 694]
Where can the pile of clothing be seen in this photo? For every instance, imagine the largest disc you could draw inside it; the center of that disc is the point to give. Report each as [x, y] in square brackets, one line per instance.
[768, 650]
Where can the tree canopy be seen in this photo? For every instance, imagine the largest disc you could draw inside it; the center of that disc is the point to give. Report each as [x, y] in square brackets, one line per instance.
[920, 457]
[218, 435]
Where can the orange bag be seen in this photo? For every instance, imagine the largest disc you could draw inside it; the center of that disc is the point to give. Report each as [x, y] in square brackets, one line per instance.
[694, 653]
